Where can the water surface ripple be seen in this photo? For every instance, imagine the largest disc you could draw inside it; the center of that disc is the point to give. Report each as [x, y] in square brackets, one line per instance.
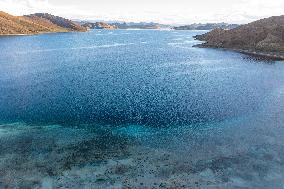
[137, 109]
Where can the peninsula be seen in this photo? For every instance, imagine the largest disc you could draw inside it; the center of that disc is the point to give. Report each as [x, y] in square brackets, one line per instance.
[263, 38]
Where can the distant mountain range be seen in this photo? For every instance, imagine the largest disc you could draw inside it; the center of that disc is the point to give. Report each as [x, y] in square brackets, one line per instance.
[264, 37]
[208, 26]
[99, 25]
[45, 23]
[122, 25]
[35, 24]
[140, 25]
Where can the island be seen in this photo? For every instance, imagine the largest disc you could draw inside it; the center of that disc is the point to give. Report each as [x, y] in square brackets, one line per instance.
[263, 38]
[36, 24]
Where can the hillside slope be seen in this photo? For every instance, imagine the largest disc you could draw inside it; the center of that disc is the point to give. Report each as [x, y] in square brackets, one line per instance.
[265, 36]
[14, 25]
[56, 20]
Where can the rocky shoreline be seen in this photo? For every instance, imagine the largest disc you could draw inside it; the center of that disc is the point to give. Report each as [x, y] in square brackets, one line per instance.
[252, 52]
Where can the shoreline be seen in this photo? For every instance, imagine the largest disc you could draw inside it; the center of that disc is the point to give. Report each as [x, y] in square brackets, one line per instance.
[28, 34]
[40, 33]
[266, 55]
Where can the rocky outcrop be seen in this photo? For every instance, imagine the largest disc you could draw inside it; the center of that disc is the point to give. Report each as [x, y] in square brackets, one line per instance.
[99, 25]
[32, 24]
[208, 26]
[263, 37]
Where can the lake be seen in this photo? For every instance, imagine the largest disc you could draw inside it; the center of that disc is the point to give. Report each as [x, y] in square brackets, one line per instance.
[137, 109]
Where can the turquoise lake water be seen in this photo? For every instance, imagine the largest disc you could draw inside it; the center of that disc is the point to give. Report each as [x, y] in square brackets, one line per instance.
[136, 96]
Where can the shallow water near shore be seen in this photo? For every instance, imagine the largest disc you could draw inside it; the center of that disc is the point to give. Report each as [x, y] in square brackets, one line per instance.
[137, 109]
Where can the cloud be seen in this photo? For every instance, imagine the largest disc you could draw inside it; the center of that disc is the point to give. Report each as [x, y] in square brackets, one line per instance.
[255, 9]
[23, 7]
[19, 7]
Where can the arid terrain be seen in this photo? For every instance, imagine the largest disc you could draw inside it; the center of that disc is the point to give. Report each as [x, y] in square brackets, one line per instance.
[262, 37]
[35, 24]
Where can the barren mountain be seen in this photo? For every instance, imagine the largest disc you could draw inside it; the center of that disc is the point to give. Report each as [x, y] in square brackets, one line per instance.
[34, 24]
[265, 36]
[59, 21]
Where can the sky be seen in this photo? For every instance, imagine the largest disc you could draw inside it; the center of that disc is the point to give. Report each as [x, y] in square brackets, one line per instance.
[163, 11]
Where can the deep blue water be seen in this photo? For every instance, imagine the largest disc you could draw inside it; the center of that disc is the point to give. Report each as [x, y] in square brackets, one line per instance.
[128, 77]
[135, 108]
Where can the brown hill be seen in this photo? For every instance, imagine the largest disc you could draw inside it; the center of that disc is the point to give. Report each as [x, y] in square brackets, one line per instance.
[265, 36]
[12, 25]
[57, 20]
